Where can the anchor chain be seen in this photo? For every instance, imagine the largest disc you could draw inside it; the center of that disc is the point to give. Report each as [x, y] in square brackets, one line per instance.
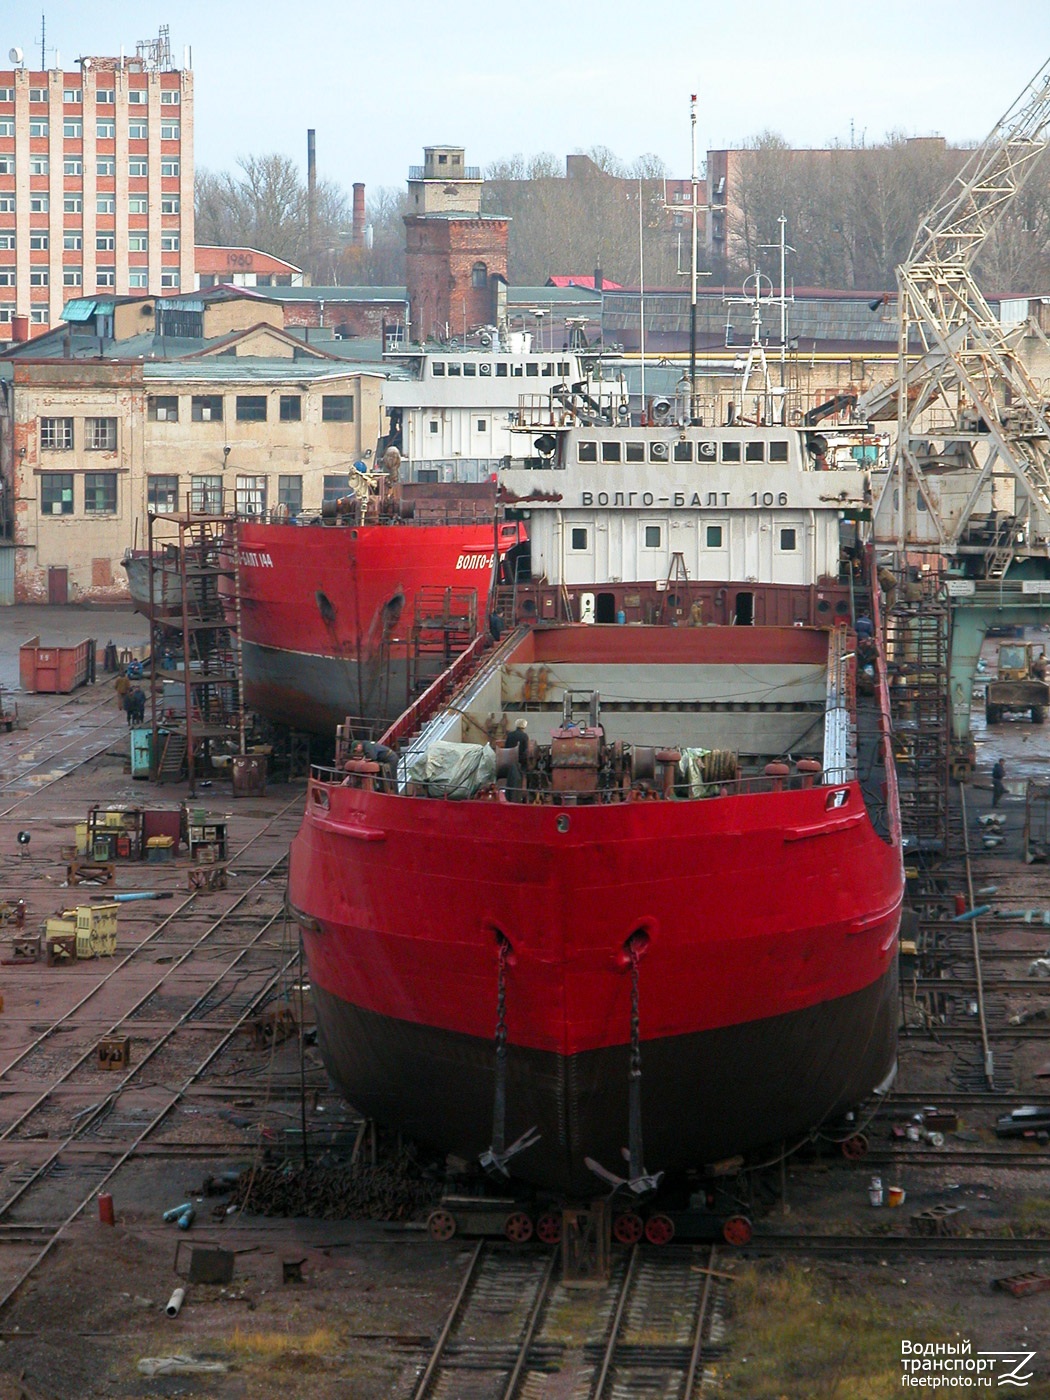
[494, 1160]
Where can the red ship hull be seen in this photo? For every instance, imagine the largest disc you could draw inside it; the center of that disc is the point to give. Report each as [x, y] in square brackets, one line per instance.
[767, 988]
[327, 612]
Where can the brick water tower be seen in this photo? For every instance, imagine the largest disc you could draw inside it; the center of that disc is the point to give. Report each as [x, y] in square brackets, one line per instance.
[456, 257]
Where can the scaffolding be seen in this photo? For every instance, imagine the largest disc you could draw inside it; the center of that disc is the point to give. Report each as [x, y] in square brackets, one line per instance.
[195, 608]
[444, 625]
[917, 652]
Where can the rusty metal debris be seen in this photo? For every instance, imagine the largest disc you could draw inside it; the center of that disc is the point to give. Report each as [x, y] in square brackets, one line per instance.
[1021, 1285]
[392, 1190]
[938, 1221]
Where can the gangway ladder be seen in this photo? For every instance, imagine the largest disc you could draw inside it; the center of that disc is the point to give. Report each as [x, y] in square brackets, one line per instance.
[679, 597]
[917, 655]
[444, 625]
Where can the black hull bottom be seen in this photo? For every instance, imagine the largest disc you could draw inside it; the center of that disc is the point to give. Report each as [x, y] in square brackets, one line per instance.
[705, 1096]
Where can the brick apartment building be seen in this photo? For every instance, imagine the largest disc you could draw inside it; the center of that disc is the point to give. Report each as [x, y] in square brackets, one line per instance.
[96, 184]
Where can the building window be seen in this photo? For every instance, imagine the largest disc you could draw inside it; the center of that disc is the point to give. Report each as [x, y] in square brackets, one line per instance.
[56, 493]
[138, 131]
[72, 166]
[7, 204]
[291, 412]
[72, 242]
[169, 242]
[206, 494]
[7, 94]
[38, 240]
[251, 408]
[71, 277]
[170, 97]
[206, 408]
[7, 277]
[290, 493]
[164, 408]
[162, 494]
[105, 277]
[335, 488]
[137, 168]
[578, 537]
[7, 127]
[169, 204]
[169, 167]
[38, 277]
[72, 204]
[105, 166]
[137, 97]
[105, 243]
[105, 96]
[100, 492]
[714, 536]
[138, 243]
[138, 279]
[169, 131]
[74, 96]
[337, 408]
[778, 451]
[7, 311]
[169, 279]
[7, 242]
[38, 94]
[39, 165]
[788, 541]
[56, 434]
[251, 495]
[7, 165]
[105, 204]
[38, 126]
[138, 204]
[39, 316]
[479, 275]
[72, 131]
[100, 434]
[653, 536]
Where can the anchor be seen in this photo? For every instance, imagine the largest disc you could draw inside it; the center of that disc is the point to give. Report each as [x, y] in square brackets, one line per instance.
[495, 1158]
[638, 1181]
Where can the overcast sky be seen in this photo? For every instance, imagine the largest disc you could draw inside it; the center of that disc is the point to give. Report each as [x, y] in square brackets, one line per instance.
[379, 81]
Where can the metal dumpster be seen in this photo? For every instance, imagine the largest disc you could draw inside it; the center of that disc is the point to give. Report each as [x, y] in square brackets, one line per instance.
[55, 670]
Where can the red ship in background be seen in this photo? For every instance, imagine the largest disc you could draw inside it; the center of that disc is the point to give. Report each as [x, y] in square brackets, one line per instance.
[346, 619]
[685, 934]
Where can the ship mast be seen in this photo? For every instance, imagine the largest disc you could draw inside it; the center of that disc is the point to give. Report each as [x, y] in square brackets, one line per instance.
[693, 268]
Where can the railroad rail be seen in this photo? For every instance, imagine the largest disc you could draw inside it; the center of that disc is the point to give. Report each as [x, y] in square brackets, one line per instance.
[514, 1326]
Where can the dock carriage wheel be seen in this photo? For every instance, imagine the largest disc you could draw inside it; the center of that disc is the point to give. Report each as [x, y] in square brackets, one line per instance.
[737, 1230]
[659, 1229]
[855, 1147]
[441, 1224]
[518, 1227]
[548, 1228]
[627, 1228]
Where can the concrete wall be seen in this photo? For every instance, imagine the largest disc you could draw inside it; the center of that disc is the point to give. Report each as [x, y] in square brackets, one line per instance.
[90, 544]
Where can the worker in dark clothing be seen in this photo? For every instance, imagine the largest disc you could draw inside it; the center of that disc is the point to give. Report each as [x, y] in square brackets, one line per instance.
[495, 626]
[864, 627]
[518, 739]
[998, 783]
[138, 705]
[378, 753]
[1039, 668]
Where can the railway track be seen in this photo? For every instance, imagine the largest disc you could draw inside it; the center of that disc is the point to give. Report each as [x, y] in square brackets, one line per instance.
[516, 1331]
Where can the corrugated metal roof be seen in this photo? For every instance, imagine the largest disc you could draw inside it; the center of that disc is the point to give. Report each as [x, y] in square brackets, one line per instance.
[180, 304]
[331, 293]
[78, 310]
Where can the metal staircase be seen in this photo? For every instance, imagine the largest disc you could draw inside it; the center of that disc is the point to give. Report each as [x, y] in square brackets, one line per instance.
[917, 655]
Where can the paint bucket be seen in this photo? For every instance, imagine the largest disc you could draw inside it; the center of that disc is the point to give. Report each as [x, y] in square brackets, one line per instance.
[960, 905]
[105, 1208]
[895, 1195]
[875, 1191]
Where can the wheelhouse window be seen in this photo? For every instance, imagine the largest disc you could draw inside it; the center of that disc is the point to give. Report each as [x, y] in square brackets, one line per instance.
[587, 452]
[634, 451]
[754, 452]
[610, 451]
[778, 451]
[730, 452]
[683, 450]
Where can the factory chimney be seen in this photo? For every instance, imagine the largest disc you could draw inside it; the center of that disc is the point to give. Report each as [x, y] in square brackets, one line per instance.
[311, 199]
[359, 216]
